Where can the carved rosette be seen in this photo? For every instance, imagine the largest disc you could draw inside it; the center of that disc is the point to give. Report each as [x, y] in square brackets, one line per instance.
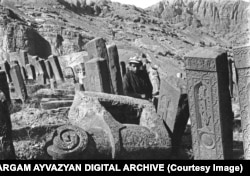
[242, 62]
[68, 142]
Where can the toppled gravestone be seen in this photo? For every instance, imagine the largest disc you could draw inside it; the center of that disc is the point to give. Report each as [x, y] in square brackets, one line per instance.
[6, 146]
[104, 126]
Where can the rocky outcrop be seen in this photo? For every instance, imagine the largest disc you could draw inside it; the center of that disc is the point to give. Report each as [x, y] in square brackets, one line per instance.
[225, 17]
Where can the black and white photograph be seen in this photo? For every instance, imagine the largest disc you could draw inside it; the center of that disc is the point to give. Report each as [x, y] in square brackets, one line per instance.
[124, 80]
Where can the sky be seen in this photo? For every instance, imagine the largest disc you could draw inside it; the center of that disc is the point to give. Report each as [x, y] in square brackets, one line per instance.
[138, 3]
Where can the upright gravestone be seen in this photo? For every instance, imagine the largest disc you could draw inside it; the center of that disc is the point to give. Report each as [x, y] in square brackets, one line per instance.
[97, 77]
[24, 60]
[96, 48]
[7, 151]
[242, 63]
[43, 70]
[114, 68]
[209, 103]
[56, 68]
[173, 109]
[49, 69]
[20, 88]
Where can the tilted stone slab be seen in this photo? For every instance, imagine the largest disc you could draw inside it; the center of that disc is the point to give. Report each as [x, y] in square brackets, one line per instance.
[49, 69]
[242, 63]
[97, 76]
[114, 68]
[173, 109]
[101, 136]
[24, 60]
[56, 68]
[18, 82]
[209, 103]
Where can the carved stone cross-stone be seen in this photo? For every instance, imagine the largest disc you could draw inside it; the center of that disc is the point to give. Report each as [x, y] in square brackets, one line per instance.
[242, 63]
[97, 76]
[209, 103]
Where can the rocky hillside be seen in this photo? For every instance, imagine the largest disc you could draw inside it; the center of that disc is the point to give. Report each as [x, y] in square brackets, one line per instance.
[226, 19]
[166, 31]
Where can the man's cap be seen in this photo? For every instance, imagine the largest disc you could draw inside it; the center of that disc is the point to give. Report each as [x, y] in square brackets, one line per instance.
[135, 59]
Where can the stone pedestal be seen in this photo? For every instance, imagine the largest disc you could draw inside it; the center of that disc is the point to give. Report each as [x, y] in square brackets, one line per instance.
[242, 63]
[209, 103]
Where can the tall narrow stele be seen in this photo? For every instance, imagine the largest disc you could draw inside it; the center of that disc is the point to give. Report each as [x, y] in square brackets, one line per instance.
[209, 103]
[242, 63]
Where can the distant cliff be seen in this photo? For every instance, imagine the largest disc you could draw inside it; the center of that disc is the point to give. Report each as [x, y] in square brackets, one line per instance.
[227, 18]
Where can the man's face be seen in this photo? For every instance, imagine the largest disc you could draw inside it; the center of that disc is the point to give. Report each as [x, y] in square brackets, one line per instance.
[134, 67]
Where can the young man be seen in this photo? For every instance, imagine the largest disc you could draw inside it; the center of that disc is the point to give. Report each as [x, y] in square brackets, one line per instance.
[136, 82]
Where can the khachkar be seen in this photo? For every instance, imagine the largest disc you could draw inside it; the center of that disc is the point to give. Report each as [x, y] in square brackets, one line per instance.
[209, 103]
[242, 63]
[6, 146]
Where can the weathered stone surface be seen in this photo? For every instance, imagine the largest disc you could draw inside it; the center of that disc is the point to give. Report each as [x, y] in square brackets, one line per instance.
[209, 103]
[6, 146]
[69, 74]
[109, 139]
[173, 109]
[41, 72]
[97, 48]
[49, 69]
[56, 68]
[97, 76]
[24, 60]
[20, 88]
[168, 103]
[56, 104]
[241, 57]
[114, 69]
